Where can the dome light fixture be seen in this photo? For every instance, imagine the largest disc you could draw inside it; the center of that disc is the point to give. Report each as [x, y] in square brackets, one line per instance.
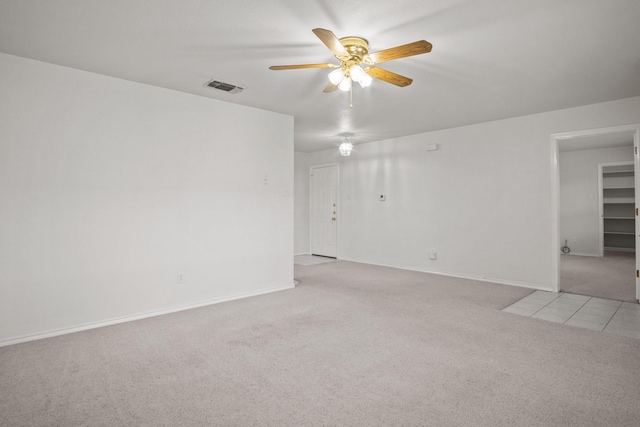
[346, 147]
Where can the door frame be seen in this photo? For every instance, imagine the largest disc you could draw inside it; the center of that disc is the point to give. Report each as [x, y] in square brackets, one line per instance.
[311, 168]
[555, 193]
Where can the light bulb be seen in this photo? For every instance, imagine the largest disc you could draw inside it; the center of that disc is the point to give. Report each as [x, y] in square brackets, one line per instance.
[345, 147]
[365, 80]
[357, 73]
[336, 76]
[345, 84]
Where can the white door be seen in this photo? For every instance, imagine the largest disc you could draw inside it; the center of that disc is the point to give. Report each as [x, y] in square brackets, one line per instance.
[324, 219]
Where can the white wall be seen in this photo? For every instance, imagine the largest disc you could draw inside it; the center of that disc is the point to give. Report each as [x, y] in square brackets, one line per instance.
[301, 203]
[482, 201]
[579, 202]
[109, 188]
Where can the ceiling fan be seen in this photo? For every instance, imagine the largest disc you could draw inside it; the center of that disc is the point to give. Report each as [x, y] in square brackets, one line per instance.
[357, 64]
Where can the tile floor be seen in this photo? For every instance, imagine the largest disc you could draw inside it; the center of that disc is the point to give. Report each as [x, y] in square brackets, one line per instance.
[311, 259]
[598, 314]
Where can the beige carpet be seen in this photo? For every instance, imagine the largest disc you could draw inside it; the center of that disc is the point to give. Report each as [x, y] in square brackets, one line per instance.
[352, 345]
[611, 276]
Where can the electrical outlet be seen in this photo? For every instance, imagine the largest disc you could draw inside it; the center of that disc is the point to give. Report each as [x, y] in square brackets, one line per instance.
[432, 254]
[181, 277]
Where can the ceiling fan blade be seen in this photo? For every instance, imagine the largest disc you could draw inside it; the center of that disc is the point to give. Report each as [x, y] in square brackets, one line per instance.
[415, 48]
[388, 76]
[295, 67]
[330, 88]
[331, 41]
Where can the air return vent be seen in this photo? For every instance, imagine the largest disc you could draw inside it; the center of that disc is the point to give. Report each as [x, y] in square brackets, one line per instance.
[227, 87]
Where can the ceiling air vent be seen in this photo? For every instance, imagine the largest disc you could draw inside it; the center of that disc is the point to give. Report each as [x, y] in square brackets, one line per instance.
[227, 87]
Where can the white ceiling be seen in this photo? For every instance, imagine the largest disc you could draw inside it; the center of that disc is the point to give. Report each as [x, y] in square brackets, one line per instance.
[491, 59]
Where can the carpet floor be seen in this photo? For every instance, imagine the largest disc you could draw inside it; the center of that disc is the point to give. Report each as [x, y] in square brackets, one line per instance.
[611, 276]
[352, 345]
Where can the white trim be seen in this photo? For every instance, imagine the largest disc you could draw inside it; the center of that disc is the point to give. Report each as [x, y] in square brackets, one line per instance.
[581, 254]
[636, 175]
[458, 276]
[302, 253]
[555, 215]
[600, 211]
[95, 325]
[555, 193]
[323, 165]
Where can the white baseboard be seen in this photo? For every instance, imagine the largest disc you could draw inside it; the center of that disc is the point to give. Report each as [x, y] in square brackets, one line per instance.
[131, 318]
[581, 254]
[459, 276]
[303, 253]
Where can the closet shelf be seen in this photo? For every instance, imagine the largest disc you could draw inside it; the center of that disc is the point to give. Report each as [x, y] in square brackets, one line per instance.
[619, 249]
[618, 207]
[618, 187]
[618, 173]
[619, 200]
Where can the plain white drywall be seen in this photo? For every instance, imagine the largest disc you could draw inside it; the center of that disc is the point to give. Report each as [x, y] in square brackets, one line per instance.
[579, 201]
[109, 188]
[482, 201]
[301, 243]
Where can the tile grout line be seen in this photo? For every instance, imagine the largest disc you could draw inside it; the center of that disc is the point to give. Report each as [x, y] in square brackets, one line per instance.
[574, 313]
[545, 305]
[616, 312]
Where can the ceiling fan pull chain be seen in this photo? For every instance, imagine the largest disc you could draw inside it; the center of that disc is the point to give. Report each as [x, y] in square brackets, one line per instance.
[351, 97]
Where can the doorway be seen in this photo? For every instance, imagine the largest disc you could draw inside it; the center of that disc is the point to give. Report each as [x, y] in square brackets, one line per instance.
[582, 232]
[323, 182]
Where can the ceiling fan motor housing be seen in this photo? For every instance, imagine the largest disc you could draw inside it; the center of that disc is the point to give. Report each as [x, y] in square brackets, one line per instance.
[358, 49]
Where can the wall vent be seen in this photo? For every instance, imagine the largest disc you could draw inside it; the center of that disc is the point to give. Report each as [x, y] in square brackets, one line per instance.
[227, 87]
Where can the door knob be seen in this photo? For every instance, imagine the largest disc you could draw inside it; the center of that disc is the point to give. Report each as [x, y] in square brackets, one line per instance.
[333, 219]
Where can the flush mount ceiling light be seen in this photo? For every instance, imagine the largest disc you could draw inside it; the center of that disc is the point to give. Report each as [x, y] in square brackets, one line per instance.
[346, 147]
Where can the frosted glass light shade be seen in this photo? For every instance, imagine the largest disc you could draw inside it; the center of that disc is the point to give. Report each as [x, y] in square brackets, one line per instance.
[345, 148]
[336, 76]
[365, 80]
[345, 84]
[357, 73]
